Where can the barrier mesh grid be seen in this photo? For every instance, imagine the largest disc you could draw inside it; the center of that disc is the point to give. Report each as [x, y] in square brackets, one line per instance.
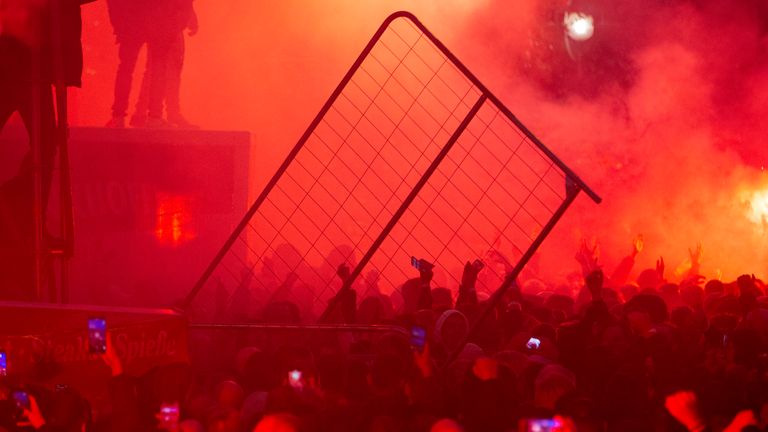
[409, 148]
[489, 199]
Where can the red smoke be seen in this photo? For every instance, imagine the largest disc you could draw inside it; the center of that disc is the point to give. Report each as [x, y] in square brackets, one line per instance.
[666, 128]
[662, 118]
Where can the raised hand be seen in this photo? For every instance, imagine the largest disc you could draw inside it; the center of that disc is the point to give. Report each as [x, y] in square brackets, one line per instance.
[637, 245]
[425, 272]
[111, 358]
[696, 255]
[684, 407]
[587, 256]
[423, 361]
[469, 276]
[741, 420]
[32, 416]
[660, 267]
[565, 424]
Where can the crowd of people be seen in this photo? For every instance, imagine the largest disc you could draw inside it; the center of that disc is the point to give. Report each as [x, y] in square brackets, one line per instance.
[643, 355]
[616, 355]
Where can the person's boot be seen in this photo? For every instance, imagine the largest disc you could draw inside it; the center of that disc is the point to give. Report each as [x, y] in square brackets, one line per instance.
[177, 120]
[116, 122]
[138, 121]
[157, 123]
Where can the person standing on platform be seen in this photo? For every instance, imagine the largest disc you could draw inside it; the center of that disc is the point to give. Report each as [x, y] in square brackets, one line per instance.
[131, 23]
[164, 37]
[181, 17]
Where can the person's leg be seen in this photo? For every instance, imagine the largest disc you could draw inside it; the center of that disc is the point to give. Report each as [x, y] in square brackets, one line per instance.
[157, 50]
[128, 52]
[139, 118]
[175, 65]
[173, 90]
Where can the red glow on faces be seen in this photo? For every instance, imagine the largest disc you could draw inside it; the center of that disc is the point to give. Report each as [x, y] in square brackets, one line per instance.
[174, 221]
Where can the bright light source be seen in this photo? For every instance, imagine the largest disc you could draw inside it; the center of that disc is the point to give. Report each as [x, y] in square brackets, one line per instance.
[758, 207]
[579, 26]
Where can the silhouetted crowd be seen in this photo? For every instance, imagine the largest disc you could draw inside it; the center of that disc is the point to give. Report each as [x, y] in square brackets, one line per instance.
[616, 355]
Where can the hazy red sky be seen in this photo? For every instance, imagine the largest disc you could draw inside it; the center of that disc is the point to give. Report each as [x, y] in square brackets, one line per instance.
[664, 120]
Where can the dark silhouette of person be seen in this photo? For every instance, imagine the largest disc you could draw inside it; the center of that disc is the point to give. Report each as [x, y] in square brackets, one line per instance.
[160, 25]
[167, 62]
[131, 24]
[39, 46]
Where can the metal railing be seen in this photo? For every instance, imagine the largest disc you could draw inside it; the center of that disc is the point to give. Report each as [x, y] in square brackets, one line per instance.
[410, 156]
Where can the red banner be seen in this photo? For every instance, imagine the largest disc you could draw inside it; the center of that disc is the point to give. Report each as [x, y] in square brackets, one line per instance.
[48, 344]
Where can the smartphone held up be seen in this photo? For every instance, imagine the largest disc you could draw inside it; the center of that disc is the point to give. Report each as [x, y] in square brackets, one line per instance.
[418, 338]
[533, 343]
[97, 335]
[296, 379]
[542, 425]
[169, 416]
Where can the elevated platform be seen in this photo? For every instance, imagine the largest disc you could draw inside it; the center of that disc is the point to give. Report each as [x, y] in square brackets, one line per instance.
[151, 207]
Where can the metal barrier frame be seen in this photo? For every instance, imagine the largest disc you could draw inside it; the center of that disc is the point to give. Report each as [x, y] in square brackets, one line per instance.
[573, 183]
[379, 328]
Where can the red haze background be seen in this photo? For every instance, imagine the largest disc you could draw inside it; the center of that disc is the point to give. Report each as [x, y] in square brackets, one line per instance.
[661, 113]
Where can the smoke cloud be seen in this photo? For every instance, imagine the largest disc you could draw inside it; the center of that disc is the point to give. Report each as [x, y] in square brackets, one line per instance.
[659, 113]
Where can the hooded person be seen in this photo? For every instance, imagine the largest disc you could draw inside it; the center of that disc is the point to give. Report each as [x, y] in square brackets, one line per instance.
[451, 328]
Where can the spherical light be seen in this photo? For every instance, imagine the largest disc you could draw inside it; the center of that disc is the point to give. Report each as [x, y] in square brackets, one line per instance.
[579, 26]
